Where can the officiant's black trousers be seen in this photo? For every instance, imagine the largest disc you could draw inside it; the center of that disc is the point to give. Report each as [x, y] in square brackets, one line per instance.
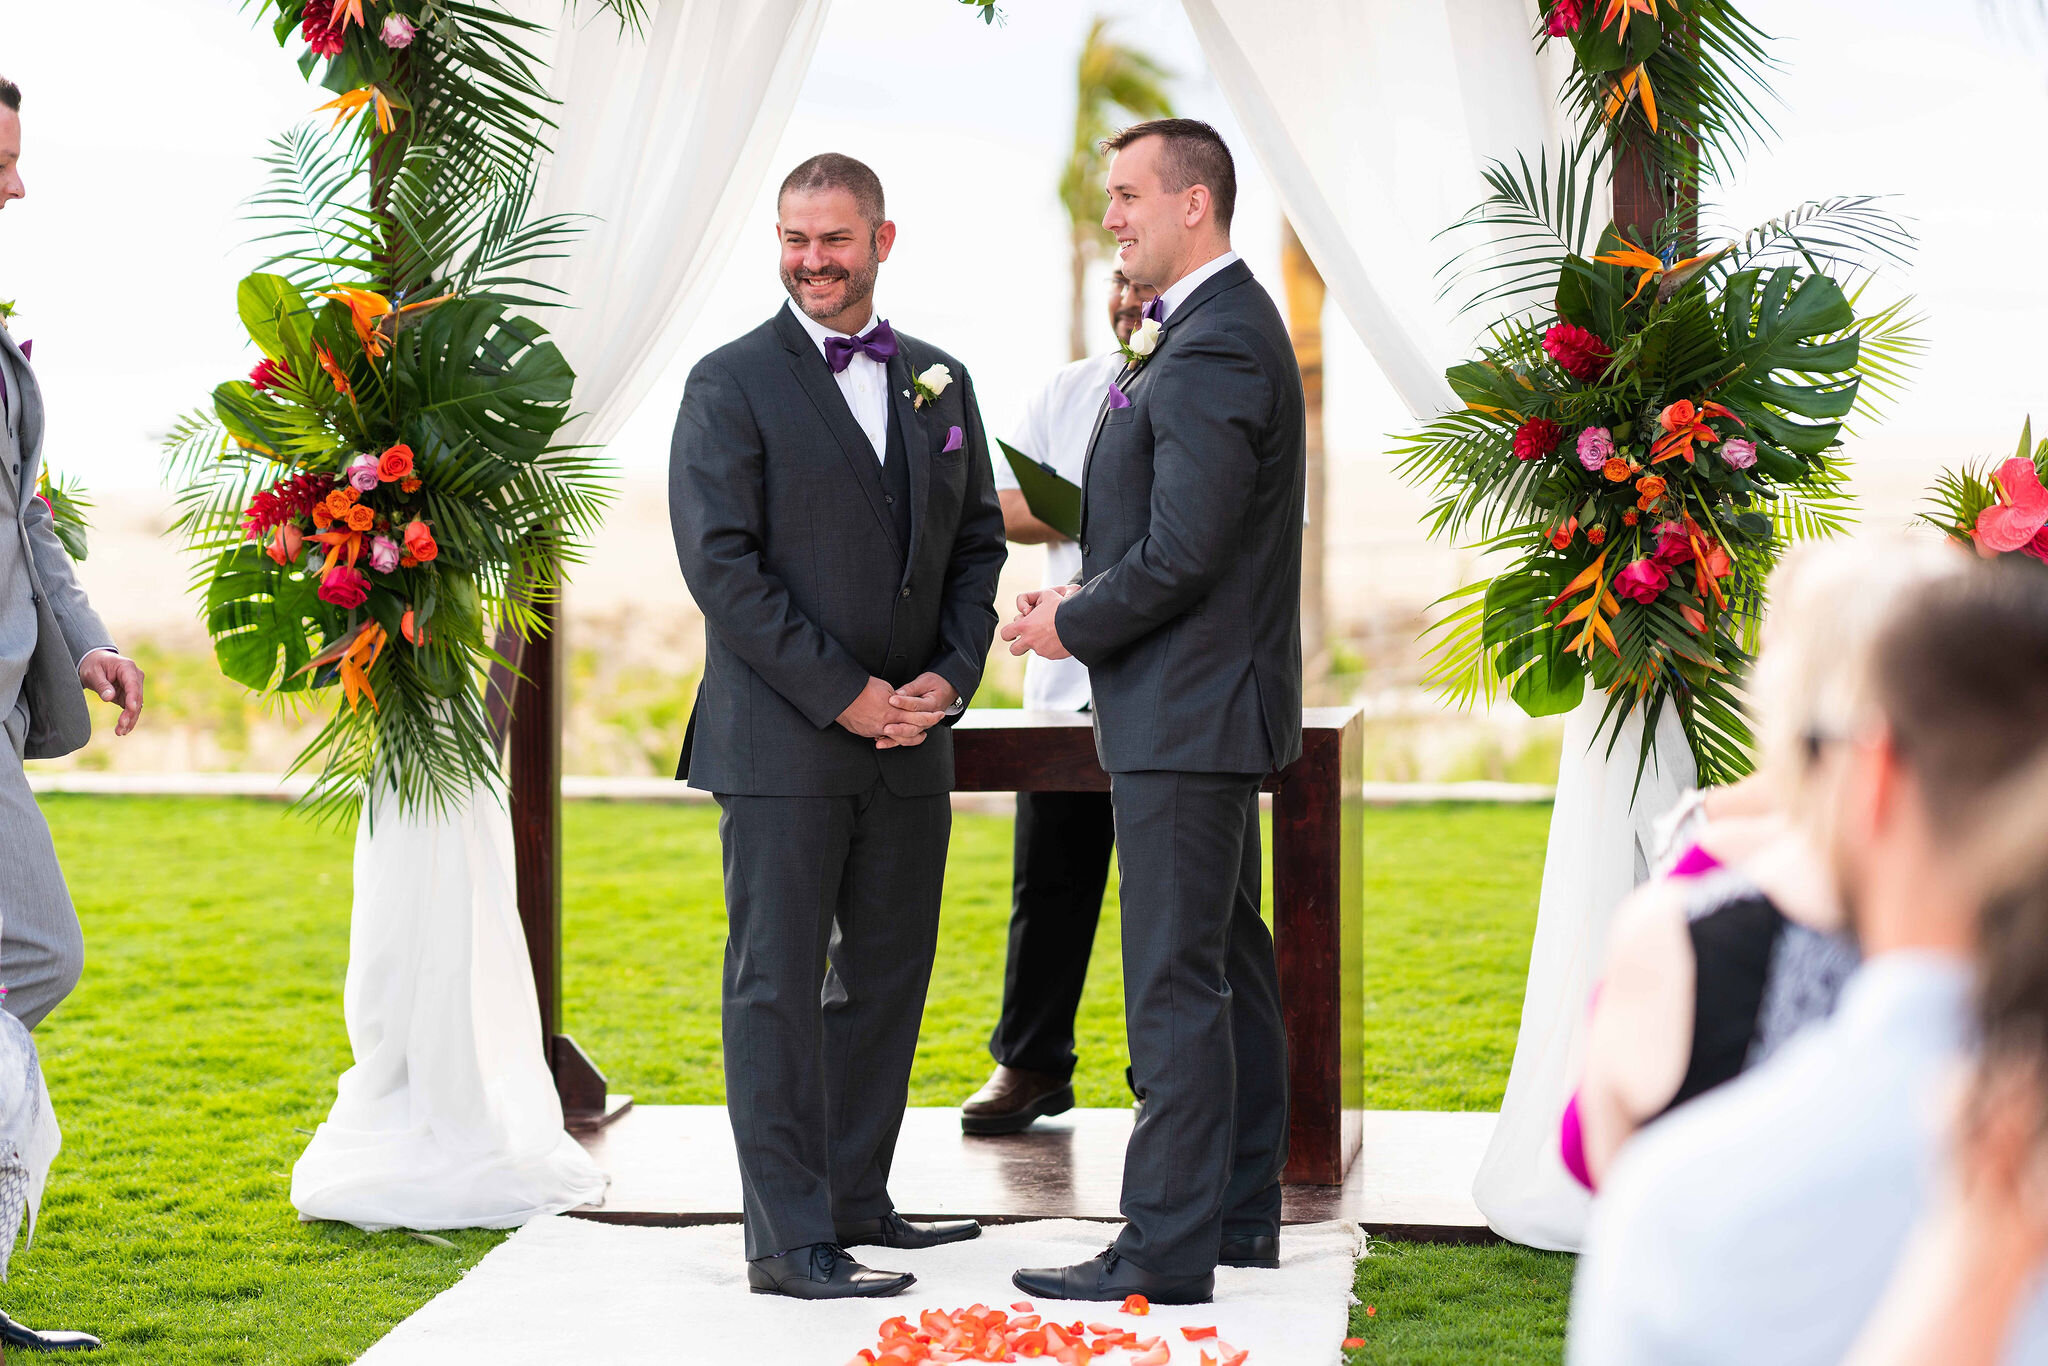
[1202, 1007]
[832, 909]
[1061, 866]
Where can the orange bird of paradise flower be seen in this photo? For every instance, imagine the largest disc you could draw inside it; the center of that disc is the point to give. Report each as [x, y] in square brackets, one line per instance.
[357, 654]
[1594, 611]
[326, 359]
[1629, 255]
[1634, 84]
[351, 102]
[345, 11]
[1685, 422]
[1623, 9]
[365, 309]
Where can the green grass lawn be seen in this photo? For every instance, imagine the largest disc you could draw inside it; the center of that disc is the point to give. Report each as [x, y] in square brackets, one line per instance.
[205, 1039]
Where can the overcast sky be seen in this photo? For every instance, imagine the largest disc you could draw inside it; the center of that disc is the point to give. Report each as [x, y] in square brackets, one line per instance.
[143, 130]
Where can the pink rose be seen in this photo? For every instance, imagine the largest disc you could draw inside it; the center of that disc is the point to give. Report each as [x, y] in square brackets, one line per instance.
[344, 587]
[1642, 581]
[1739, 454]
[362, 473]
[398, 31]
[1596, 448]
[383, 554]
[1674, 545]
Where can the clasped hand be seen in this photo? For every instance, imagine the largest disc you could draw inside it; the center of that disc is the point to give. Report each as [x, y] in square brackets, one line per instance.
[899, 717]
[1033, 630]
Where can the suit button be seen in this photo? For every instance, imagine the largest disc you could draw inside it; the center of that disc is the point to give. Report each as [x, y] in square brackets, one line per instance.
[905, 593]
[890, 499]
[1084, 547]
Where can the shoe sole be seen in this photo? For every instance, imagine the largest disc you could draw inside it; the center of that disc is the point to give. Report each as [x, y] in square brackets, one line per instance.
[874, 1295]
[1056, 1103]
[1272, 1265]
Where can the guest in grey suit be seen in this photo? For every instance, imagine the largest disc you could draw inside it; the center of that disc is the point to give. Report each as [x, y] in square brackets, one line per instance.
[51, 645]
[837, 523]
[1188, 616]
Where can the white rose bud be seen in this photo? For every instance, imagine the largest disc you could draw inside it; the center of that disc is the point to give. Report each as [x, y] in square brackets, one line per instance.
[1146, 339]
[936, 379]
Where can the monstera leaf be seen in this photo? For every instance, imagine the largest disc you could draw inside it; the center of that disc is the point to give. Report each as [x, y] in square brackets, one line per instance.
[261, 616]
[483, 380]
[1785, 320]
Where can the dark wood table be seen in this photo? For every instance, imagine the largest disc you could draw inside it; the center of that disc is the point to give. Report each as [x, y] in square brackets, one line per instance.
[1317, 903]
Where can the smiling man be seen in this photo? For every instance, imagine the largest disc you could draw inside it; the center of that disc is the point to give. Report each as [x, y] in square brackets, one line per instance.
[835, 518]
[1188, 616]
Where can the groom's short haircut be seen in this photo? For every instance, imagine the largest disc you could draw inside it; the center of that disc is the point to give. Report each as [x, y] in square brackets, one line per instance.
[10, 94]
[1192, 154]
[832, 171]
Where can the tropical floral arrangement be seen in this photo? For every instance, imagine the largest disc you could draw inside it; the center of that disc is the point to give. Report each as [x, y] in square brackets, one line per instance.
[70, 510]
[2002, 511]
[1652, 421]
[384, 491]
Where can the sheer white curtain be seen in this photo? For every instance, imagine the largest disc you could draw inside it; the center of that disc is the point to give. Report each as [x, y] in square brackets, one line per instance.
[1373, 119]
[449, 1117]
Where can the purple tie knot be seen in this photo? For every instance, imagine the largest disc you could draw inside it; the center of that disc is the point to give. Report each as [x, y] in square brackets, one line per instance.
[1156, 310]
[878, 343]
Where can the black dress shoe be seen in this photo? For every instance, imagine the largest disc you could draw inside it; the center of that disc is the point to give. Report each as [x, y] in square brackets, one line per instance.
[1260, 1250]
[823, 1272]
[1013, 1097]
[893, 1230]
[1107, 1276]
[14, 1334]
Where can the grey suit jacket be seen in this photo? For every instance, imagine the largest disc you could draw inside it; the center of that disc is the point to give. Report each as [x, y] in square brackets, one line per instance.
[67, 627]
[1189, 615]
[776, 500]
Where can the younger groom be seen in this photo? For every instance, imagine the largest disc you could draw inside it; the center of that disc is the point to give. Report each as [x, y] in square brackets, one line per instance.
[830, 491]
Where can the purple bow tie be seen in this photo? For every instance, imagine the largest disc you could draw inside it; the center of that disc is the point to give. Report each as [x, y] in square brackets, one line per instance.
[1156, 310]
[878, 344]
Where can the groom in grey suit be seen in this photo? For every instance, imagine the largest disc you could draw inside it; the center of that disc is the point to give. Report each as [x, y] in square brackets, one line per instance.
[1188, 616]
[51, 645]
[836, 521]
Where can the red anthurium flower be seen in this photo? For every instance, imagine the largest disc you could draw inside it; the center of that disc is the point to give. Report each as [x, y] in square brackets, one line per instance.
[2016, 519]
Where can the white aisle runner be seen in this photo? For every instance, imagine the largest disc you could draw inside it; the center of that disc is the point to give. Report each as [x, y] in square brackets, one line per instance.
[566, 1289]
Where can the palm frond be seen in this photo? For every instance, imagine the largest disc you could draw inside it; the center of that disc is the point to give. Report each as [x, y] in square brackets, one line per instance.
[1534, 219]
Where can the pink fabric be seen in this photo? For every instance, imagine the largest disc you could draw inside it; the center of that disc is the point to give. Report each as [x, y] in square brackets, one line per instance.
[1571, 1141]
[1695, 862]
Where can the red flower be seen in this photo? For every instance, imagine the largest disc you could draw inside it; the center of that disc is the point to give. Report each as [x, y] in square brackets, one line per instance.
[285, 501]
[1561, 537]
[419, 542]
[344, 587]
[1642, 581]
[395, 463]
[2038, 547]
[269, 374]
[1564, 18]
[1579, 353]
[1674, 544]
[1537, 438]
[1631, 517]
[320, 33]
[1596, 535]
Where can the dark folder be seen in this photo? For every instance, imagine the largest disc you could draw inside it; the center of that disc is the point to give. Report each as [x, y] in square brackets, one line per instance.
[1052, 500]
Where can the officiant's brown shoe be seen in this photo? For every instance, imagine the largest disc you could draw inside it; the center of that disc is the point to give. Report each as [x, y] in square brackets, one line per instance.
[823, 1272]
[893, 1230]
[1013, 1097]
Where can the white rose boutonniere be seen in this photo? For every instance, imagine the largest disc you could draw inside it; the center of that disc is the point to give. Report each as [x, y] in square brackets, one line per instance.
[931, 384]
[1142, 344]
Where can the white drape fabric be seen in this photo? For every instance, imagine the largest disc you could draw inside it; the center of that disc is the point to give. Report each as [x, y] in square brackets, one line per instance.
[1373, 120]
[449, 1117]
[1602, 841]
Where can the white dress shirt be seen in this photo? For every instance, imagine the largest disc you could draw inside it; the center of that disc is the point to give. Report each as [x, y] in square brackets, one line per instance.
[1760, 1224]
[1177, 293]
[864, 382]
[1057, 424]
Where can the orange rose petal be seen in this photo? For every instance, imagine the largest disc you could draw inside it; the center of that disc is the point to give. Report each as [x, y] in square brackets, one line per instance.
[1023, 1306]
[1137, 1304]
[1158, 1355]
[1353, 1342]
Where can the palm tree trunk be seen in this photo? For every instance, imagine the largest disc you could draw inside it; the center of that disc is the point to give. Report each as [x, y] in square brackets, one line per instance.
[1077, 321]
[1305, 293]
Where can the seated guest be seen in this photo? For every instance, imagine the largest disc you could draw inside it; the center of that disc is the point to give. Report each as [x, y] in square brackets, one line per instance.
[1760, 1223]
[1711, 968]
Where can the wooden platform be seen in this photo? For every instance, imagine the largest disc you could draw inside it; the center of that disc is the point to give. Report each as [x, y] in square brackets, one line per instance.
[674, 1165]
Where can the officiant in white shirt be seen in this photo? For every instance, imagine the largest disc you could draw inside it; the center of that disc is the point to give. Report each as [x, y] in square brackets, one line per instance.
[1063, 839]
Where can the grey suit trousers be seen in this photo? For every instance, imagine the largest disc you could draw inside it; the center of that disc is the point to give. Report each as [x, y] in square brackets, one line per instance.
[1202, 1010]
[42, 951]
[832, 908]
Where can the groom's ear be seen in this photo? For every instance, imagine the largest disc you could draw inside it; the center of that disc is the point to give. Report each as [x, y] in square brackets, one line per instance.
[885, 238]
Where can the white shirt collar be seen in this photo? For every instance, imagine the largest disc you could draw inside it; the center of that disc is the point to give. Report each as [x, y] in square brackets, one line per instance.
[1177, 293]
[818, 331]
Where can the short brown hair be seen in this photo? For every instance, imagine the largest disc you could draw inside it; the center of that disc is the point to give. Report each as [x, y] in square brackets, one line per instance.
[10, 94]
[832, 171]
[1961, 676]
[1193, 154]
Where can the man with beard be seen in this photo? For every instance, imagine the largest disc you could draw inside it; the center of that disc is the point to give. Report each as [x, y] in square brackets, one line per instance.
[1188, 616]
[1063, 839]
[830, 492]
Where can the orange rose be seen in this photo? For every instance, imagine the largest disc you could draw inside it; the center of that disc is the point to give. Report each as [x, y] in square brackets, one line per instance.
[361, 518]
[1678, 415]
[1616, 469]
[395, 463]
[322, 518]
[1562, 536]
[419, 542]
[339, 501]
[1651, 486]
[411, 485]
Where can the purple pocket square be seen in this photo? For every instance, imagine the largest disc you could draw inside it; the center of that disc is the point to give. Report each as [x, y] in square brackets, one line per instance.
[28, 348]
[955, 439]
[1117, 397]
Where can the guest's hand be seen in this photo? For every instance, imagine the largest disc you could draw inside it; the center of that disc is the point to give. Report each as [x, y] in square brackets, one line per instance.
[117, 679]
[1034, 630]
[920, 704]
[868, 713]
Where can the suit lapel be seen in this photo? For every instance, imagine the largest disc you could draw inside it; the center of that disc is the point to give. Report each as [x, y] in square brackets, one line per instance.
[917, 447]
[1088, 461]
[24, 416]
[808, 365]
